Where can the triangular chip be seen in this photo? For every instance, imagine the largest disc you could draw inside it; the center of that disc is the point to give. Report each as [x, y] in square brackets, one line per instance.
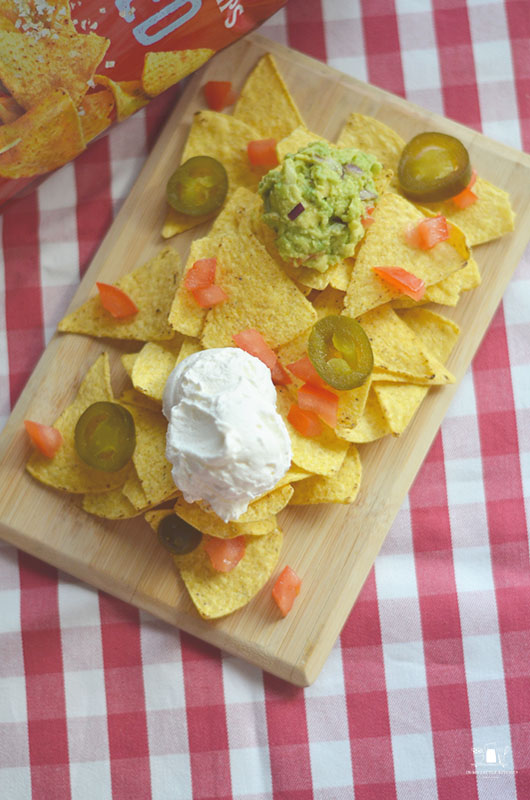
[129, 96]
[298, 138]
[33, 66]
[342, 487]
[372, 424]
[9, 110]
[265, 102]
[95, 113]
[37, 16]
[164, 69]
[153, 365]
[149, 458]
[209, 523]
[374, 137]
[186, 315]
[151, 287]
[110, 505]
[66, 471]
[385, 245]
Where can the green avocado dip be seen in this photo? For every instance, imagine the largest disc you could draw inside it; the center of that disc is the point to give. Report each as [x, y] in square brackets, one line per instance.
[315, 201]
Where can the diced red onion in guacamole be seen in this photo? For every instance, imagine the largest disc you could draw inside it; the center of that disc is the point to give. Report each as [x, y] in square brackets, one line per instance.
[296, 211]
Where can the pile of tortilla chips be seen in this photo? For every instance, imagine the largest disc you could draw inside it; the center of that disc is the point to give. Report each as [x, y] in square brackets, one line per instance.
[410, 341]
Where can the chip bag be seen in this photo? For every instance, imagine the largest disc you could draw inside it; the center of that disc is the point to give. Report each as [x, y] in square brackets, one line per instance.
[66, 75]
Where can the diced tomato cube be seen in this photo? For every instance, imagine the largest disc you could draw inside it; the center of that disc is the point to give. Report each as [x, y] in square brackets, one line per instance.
[429, 232]
[208, 296]
[201, 274]
[262, 153]
[466, 197]
[367, 219]
[253, 342]
[306, 422]
[304, 369]
[224, 554]
[219, 94]
[322, 402]
[45, 438]
[116, 301]
[286, 589]
[402, 281]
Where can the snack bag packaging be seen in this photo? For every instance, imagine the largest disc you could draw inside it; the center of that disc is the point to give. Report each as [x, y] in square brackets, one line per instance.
[70, 70]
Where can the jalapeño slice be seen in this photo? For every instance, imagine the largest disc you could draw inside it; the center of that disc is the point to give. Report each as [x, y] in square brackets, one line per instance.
[177, 536]
[198, 186]
[340, 351]
[105, 436]
[434, 166]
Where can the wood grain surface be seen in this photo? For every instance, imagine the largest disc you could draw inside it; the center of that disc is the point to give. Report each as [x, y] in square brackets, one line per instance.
[331, 547]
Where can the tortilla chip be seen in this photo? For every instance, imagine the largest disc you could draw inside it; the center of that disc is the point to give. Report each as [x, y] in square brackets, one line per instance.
[267, 505]
[216, 594]
[186, 316]
[298, 138]
[322, 455]
[95, 113]
[130, 397]
[129, 96]
[109, 505]
[209, 523]
[292, 475]
[384, 245]
[128, 359]
[151, 286]
[38, 16]
[372, 424]
[164, 69]
[66, 471]
[224, 138]
[149, 458]
[265, 102]
[33, 66]
[470, 276]
[153, 365]
[42, 139]
[9, 110]
[374, 137]
[188, 347]
[436, 332]
[342, 487]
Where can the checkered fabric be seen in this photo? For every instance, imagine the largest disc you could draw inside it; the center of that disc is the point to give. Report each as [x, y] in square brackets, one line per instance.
[426, 694]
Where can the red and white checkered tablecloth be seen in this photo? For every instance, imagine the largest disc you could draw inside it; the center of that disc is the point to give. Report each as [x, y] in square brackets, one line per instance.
[426, 694]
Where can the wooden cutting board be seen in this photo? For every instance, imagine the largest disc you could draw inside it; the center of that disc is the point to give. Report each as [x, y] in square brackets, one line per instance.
[331, 547]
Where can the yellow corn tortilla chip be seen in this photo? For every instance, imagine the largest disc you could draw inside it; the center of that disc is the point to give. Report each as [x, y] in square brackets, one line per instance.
[33, 66]
[153, 365]
[129, 96]
[374, 137]
[216, 594]
[188, 347]
[322, 455]
[265, 102]
[9, 110]
[342, 487]
[470, 276]
[164, 69]
[292, 475]
[149, 458]
[95, 113]
[36, 15]
[186, 316]
[134, 492]
[488, 218]
[130, 397]
[436, 332]
[298, 138]
[209, 523]
[372, 424]
[128, 359]
[397, 349]
[110, 505]
[66, 471]
[399, 402]
[151, 287]
[384, 245]
[267, 505]
[46, 137]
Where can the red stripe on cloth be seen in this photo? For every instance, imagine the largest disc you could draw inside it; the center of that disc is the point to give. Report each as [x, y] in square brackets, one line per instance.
[382, 46]
[124, 688]
[43, 668]
[23, 303]
[366, 699]
[305, 27]
[206, 715]
[441, 628]
[94, 199]
[507, 522]
[457, 67]
[288, 740]
[157, 112]
[518, 16]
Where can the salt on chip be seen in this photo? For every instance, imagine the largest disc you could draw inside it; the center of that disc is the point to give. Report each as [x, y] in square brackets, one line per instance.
[151, 287]
[95, 113]
[33, 66]
[45, 137]
[153, 366]
[149, 457]
[224, 138]
[342, 487]
[38, 15]
[129, 96]
[385, 245]
[212, 525]
[163, 69]
[66, 471]
[265, 102]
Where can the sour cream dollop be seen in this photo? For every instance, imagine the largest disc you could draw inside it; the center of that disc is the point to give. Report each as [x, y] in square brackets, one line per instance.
[225, 439]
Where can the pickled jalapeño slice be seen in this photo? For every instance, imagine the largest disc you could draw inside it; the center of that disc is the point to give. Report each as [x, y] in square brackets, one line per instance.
[340, 351]
[198, 186]
[433, 166]
[177, 536]
[105, 436]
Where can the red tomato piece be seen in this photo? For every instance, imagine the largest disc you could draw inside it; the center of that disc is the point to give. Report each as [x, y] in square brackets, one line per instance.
[262, 153]
[253, 342]
[208, 296]
[428, 232]
[306, 422]
[466, 197]
[304, 369]
[367, 220]
[219, 94]
[201, 274]
[323, 402]
[286, 589]
[224, 554]
[45, 438]
[402, 280]
[116, 301]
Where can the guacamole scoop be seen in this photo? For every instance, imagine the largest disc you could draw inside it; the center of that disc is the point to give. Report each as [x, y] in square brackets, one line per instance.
[315, 201]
